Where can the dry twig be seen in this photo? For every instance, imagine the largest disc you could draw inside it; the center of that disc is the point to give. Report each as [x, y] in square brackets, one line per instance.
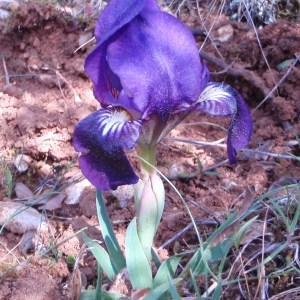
[237, 70]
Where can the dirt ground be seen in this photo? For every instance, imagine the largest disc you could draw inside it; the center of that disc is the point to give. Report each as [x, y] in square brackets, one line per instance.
[44, 92]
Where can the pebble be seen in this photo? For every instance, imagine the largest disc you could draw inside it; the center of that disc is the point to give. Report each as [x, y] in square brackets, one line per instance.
[22, 162]
[20, 218]
[4, 14]
[50, 81]
[174, 171]
[74, 191]
[22, 191]
[84, 38]
[27, 244]
[123, 194]
[228, 184]
[22, 46]
[223, 34]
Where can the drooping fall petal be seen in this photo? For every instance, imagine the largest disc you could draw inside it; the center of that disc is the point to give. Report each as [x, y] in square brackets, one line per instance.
[221, 100]
[102, 138]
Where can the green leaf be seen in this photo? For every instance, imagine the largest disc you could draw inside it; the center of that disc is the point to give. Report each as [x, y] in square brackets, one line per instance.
[238, 236]
[159, 292]
[196, 288]
[295, 220]
[101, 256]
[166, 270]
[99, 282]
[218, 291]
[9, 180]
[88, 295]
[91, 295]
[138, 266]
[108, 234]
[200, 261]
[111, 296]
[155, 259]
[173, 291]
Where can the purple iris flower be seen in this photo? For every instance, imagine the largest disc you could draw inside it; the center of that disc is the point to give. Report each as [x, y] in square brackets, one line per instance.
[147, 76]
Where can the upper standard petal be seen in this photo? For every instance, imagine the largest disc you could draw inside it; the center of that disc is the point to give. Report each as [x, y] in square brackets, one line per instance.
[114, 17]
[116, 14]
[157, 61]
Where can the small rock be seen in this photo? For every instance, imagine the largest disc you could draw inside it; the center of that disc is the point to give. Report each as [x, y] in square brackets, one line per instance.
[34, 62]
[223, 34]
[123, 194]
[84, 38]
[22, 163]
[9, 5]
[26, 55]
[19, 218]
[27, 245]
[4, 14]
[22, 46]
[228, 184]
[74, 191]
[22, 191]
[44, 168]
[50, 81]
[174, 171]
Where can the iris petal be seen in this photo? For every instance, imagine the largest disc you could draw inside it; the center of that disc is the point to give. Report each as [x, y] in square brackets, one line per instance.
[221, 100]
[115, 15]
[96, 66]
[118, 13]
[102, 138]
[157, 61]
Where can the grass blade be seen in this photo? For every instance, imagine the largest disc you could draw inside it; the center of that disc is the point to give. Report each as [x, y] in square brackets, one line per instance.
[102, 257]
[172, 290]
[166, 270]
[160, 291]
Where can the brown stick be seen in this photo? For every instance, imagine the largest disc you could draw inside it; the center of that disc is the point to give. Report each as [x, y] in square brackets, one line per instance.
[237, 70]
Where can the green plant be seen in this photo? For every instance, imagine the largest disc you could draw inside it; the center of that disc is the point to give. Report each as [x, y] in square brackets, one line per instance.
[7, 176]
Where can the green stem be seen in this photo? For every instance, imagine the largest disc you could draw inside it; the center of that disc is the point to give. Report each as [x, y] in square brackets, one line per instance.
[148, 154]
